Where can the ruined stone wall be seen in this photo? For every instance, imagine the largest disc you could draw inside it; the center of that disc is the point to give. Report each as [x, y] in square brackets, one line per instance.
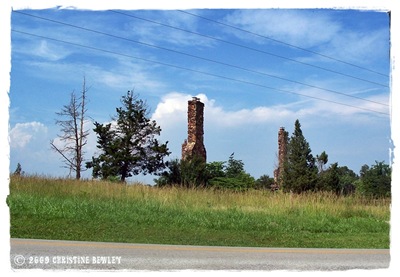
[194, 144]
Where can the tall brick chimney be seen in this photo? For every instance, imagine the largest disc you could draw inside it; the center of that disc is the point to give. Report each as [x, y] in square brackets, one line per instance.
[282, 151]
[194, 144]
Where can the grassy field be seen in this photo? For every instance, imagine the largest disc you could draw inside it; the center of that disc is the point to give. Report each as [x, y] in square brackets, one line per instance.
[61, 209]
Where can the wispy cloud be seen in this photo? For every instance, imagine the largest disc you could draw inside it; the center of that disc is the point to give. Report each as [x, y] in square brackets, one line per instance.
[243, 111]
[125, 74]
[152, 27]
[41, 49]
[311, 28]
[359, 47]
[314, 30]
[50, 53]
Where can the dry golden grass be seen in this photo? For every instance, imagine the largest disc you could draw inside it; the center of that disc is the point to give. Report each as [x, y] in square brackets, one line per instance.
[45, 207]
[253, 200]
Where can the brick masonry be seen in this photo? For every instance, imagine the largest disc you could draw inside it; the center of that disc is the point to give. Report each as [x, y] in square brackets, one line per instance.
[282, 151]
[194, 144]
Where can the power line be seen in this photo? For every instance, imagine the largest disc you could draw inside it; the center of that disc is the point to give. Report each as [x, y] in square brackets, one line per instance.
[195, 71]
[198, 57]
[284, 43]
[256, 50]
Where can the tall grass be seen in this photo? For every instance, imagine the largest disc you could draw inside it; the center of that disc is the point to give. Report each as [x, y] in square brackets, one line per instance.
[97, 210]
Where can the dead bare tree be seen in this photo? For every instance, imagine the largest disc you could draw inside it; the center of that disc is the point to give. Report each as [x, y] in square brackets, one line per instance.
[73, 136]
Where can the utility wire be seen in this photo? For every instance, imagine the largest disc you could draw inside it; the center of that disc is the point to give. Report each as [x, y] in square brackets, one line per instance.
[195, 71]
[256, 50]
[201, 58]
[282, 42]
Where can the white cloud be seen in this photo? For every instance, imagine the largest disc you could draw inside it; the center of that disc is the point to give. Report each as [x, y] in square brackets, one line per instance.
[24, 133]
[50, 52]
[43, 49]
[225, 130]
[160, 33]
[129, 74]
[173, 108]
[311, 28]
[360, 47]
[330, 105]
[125, 75]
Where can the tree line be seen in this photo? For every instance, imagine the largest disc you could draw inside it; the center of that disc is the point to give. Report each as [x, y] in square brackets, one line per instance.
[302, 172]
[128, 146]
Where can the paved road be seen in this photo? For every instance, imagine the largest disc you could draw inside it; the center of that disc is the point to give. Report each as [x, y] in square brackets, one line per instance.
[46, 254]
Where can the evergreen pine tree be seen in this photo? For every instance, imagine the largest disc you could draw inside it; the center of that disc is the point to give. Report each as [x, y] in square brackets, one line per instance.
[129, 146]
[300, 171]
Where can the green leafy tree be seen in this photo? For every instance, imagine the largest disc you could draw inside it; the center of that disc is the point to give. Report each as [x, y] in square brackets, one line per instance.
[300, 171]
[193, 172]
[264, 182]
[375, 180]
[128, 145]
[348, 179]
[235, 176]
[241, 182]
[171, 176]
[337, 179]
[234, 167]
[333, 179]
[215, 169]
[190, 173]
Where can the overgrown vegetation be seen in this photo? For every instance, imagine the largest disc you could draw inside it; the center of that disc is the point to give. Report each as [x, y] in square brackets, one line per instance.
[128, 146]
[199, 203]
[302, 172]
[66, 209]
[373, 181]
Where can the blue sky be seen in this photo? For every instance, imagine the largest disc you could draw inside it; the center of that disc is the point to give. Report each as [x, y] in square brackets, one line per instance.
[257, 70]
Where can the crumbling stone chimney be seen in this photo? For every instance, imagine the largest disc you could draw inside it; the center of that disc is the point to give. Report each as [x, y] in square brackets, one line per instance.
[194, 144]
[282, 151]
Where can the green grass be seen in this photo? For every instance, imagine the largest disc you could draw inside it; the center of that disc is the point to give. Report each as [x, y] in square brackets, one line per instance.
[60, 209]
